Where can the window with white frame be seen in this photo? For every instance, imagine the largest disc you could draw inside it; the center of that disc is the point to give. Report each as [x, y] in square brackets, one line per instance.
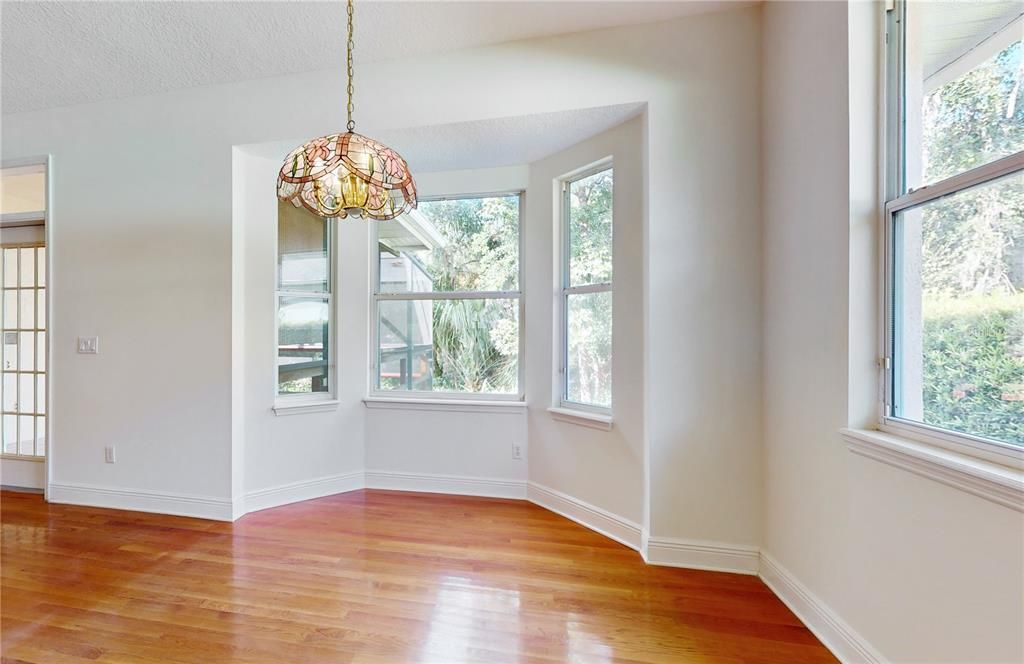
[447, 301]
[955, 221]
[305, 310]
[586, 303]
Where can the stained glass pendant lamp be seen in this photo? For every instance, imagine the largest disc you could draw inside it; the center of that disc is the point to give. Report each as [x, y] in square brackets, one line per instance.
[347, 175]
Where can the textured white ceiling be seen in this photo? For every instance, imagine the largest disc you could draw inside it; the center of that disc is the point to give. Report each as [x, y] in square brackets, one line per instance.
[485, 143]
[64, 53]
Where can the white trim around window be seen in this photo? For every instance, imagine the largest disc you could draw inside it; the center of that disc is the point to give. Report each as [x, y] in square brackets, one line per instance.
[302, 403]
[563, 409]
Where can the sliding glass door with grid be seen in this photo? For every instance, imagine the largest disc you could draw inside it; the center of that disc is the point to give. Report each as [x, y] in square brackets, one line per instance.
[23, 419]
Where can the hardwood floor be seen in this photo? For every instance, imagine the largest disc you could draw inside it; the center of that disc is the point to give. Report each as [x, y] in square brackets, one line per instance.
[367, 576]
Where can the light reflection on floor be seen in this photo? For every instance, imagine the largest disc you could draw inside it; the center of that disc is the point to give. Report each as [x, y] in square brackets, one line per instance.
[464, 608]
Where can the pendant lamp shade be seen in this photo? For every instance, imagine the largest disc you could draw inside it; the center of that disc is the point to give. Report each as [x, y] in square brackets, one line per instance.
[347, 175]
[343, 175]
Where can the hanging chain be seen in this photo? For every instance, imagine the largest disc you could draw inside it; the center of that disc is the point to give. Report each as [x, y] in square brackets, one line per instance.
[350, 46]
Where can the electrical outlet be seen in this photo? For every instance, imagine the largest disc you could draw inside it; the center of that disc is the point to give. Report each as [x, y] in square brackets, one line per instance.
[517, 451]
[108, 454]
[89, 345]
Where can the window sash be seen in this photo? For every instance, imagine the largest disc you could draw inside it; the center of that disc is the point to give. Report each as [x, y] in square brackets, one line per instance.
[892, 363]
[899, 199]
[567, 289]
[332, 319]
[373, 382]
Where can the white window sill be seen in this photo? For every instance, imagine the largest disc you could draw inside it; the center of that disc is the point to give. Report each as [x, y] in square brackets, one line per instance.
[450, 405]
[302, 406]
[991, 481]
[582, 418]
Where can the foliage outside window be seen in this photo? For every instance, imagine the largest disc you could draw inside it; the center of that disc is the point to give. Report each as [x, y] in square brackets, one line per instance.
[304, 307]
[587, 291]
[448, 305]
[956, 220]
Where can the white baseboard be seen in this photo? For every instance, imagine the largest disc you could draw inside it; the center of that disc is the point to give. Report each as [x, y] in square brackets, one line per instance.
[454, 484]
[610, 525]
[202, 507]
[698, 554]
[846, 644]
[294, 492]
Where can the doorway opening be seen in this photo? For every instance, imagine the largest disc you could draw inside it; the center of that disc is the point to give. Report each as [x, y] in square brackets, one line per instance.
[24, 280]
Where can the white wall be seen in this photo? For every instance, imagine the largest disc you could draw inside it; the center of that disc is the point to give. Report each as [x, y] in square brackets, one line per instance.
[142, 247]
[140, 257]
[601, 468]
[921, 571]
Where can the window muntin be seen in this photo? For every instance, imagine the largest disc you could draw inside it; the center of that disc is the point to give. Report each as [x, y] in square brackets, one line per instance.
[304, 303]
[586, 366]
[448, 309]
[955, 247]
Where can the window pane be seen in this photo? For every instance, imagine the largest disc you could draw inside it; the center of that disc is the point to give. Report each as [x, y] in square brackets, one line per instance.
[302, 240]
[26, 435]
[41, 270]
[590, 229]
[589, 348]
[963, 87]
[28, 266]
[26, 351]
[27, 298]
[458, 245]
[959, 312]
[10, 358]
[467, 346]
[41, 394]
[10, 321]
[41, 351]
[10, 433]
[41, 309]
[10, 268]
[41, 436]
[303, 344]
[26, 393]
[10, 400]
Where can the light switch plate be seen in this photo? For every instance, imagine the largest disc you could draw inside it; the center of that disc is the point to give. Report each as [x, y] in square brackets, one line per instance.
[89, 345]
